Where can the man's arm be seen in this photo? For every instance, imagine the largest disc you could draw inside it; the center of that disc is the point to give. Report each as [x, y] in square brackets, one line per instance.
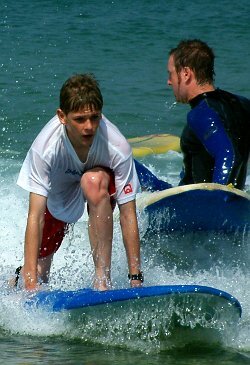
[33, 239]
[208, 128]
[130, 233]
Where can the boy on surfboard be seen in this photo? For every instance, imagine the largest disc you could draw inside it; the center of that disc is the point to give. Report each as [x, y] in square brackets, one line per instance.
[79, 156]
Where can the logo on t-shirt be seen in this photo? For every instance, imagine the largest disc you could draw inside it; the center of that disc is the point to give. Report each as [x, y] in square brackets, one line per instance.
[73, 172]
[127, 189]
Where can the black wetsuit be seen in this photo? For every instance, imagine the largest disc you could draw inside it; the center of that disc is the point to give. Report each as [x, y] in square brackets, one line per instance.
[216, 140]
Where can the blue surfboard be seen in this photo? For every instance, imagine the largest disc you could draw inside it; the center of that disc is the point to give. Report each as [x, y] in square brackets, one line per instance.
[197, 207]
[58, 300]
[161, 314]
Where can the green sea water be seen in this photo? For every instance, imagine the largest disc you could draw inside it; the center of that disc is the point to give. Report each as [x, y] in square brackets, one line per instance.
[125, 44]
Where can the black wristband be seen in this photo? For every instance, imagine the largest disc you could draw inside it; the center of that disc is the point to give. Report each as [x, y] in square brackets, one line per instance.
[17, 273]
[136, 276]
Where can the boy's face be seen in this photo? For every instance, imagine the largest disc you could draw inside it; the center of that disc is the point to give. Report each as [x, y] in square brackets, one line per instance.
[81, 126]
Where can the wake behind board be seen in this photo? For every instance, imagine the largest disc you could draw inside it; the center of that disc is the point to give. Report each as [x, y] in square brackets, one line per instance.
[154, 144]
[197, 207]
[140, 313]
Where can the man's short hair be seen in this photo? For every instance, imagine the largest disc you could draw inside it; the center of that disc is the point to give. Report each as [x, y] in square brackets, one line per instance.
[196, 55]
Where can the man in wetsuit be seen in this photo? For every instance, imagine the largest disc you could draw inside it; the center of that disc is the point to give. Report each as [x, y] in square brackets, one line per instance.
[216, 139]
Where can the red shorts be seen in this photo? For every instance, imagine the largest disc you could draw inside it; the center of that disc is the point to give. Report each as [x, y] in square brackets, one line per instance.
[54, 230]
[111, 188]
[53, 233]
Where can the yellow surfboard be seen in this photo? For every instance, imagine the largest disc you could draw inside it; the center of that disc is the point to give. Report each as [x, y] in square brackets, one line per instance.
[154, 144]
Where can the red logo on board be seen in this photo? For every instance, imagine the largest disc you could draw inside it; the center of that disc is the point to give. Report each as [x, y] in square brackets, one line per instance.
[127, 189]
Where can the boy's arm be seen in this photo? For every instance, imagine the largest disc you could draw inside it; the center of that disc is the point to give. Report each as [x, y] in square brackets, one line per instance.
[33, 239]
[130, 233]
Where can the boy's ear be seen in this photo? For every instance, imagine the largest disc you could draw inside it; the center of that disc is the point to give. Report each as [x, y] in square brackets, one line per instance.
[61, 116]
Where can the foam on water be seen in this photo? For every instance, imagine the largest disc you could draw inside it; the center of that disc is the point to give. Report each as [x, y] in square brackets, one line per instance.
[166, 261]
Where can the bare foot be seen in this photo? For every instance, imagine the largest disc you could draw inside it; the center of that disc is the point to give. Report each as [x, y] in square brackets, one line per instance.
[102, 284]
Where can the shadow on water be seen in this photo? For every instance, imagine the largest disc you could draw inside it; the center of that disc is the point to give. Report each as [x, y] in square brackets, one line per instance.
[194, 251]
[197, 353]
[56, 350]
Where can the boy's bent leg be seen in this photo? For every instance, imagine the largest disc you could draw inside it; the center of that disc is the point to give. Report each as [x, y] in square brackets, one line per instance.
[43, 268]
[95, 186]
[53, 233]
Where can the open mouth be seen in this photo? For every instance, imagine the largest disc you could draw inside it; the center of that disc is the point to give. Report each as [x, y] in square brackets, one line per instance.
[89, 136]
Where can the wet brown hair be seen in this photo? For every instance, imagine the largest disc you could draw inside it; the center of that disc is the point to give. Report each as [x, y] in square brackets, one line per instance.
[196, 55]
[80, 91]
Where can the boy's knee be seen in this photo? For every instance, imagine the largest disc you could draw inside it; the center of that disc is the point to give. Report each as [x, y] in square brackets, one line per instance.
[95, 185]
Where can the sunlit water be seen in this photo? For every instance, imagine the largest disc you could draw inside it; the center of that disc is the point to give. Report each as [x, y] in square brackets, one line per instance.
[209, 259]
[125, 43]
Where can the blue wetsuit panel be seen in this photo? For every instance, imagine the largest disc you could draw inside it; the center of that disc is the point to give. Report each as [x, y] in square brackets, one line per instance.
[148, 180]
[214, 138]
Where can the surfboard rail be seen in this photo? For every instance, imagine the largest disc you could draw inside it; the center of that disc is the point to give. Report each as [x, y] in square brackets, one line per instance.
[166, 312]
[147, 199]
[57, 300]
[197, 207]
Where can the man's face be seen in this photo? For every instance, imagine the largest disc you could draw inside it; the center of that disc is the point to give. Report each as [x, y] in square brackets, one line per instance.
[177, 81]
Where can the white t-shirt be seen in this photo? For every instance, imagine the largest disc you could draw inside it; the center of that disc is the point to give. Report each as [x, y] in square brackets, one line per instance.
[53, 169]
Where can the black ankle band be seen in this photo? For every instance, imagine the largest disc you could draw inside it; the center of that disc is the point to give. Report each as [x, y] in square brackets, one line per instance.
[136, 276]
[17, 273]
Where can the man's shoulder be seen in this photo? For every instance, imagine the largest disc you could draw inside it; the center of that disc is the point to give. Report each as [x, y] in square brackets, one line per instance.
[223, 96]
[237, 104]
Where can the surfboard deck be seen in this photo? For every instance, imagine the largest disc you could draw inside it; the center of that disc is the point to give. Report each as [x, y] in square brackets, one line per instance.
[154, 144]
[160, 314]
[58, 300]
[197, 207]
